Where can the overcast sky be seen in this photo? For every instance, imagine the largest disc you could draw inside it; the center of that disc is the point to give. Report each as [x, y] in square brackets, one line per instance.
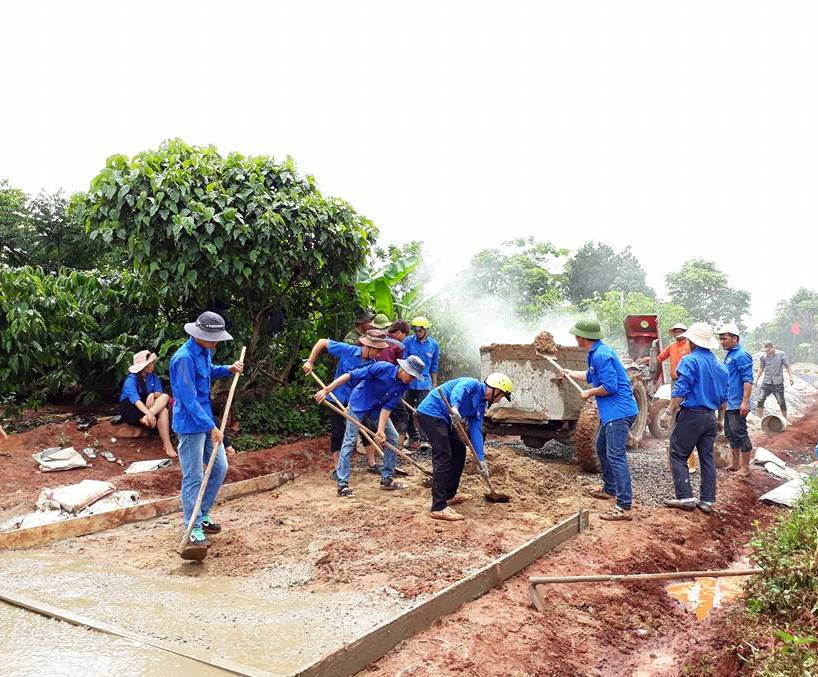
[685, 129]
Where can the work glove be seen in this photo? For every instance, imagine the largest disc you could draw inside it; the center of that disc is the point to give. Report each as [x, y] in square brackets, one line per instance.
[456, 417]
[484, 469]
[666, 418]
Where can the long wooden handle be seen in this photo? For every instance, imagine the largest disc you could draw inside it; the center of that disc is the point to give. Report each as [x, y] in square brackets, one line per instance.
[206, 477]
[559, 366]
[365, 433]
[387, 444]
[667, 576]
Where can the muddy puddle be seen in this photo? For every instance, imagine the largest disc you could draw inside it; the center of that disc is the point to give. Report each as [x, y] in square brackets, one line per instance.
[702, 595]
[269, 622]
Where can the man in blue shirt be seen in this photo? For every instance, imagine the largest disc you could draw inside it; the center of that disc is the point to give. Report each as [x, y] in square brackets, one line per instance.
[349, 357]
[427, 349]
[469, 399]
[376, 390]
[617, 411]
[191, 372]
[739, 364]
[699, 392]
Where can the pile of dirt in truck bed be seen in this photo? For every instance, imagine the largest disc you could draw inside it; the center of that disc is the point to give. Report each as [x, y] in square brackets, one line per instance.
[545, 344]
[375, 539]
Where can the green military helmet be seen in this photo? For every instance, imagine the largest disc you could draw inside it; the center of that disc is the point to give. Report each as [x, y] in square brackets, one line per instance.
[588, 329]
[380, 321]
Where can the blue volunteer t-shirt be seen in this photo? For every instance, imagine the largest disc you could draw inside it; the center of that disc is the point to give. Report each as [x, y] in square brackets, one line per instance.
[701, 380]
[428, 351]
[349, 358]
[605, 369]
[468, 396]
[375, 387]
[130, 388]
[739, 365]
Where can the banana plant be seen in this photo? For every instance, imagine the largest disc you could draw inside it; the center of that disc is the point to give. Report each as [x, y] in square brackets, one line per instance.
[380, 289]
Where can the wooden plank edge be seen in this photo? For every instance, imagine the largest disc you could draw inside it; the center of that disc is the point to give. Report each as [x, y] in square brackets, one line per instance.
[82, 526]
[198, 656]
[377, 643]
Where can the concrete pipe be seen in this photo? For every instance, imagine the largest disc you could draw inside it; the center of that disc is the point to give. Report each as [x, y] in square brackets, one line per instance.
[773, 423]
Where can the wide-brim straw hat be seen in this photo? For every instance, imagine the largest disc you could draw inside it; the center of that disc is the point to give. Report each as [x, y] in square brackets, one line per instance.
[141, 360]
[374, 338]
[208, 326]
[701, 334]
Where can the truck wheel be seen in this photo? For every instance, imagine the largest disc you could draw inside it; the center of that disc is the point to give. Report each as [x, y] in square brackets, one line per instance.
[640, 394]
[532, 442]
[659, 431]
[585, 438]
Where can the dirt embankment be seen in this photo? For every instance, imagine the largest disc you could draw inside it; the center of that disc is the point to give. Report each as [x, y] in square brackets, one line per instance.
[21, 481]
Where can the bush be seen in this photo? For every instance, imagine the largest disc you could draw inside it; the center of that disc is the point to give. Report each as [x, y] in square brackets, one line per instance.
[287, 411]
[71, 333]
[783, 600]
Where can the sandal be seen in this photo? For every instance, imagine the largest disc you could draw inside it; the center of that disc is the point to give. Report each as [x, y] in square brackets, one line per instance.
[616, 514]
[600, 493]
[90, 452]
[108, 456]
[345, 491]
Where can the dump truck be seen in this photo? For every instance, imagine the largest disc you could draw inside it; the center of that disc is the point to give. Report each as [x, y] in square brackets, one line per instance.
[545, 407]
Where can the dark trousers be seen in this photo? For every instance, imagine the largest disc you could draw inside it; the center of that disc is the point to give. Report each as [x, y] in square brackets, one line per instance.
[448, 458]
[776, 391]
[415, 397]
[695, 428]
[337, 427]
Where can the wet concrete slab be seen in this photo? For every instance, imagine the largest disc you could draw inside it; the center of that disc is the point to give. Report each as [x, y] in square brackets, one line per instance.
[268, 622]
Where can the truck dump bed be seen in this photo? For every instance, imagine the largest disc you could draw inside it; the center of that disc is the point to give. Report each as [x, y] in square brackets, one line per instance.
[538, 398]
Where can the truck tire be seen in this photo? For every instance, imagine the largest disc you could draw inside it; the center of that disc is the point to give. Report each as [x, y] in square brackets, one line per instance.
[533, 442]
[640, 394]
[659, 431]
[585, 438]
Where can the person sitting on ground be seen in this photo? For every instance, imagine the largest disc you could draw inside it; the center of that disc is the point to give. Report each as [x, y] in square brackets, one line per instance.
[739, 366]
[349, 357]
[143, 401]
[469, 399]
[699, 392]
[363, 323]
[376, 389]
[617, 406]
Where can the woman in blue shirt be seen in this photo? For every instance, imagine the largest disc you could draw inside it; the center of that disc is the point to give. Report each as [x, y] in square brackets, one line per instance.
[143, 401]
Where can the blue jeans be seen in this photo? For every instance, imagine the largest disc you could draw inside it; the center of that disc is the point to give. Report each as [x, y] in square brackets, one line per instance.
[194, 453]
[613, 459]
[348, 446]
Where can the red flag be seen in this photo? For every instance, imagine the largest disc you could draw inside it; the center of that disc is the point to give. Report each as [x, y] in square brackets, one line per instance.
[795, 329]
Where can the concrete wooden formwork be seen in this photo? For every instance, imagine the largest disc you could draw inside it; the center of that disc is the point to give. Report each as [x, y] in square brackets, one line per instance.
[82, 526]
[377, 643]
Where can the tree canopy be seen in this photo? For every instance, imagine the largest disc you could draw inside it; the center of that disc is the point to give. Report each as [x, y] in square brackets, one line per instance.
[595, 268]
[702, 288]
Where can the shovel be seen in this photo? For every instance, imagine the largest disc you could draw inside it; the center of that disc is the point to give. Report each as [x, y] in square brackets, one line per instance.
[186, 550]
[492, 496]
[341, 409]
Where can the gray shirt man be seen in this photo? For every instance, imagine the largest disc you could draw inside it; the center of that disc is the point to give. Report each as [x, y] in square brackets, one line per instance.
[772, 368]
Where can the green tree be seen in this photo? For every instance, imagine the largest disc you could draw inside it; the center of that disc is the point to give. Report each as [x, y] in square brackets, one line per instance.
[521, 273]
[13, 224]
[596, 268]
[612, 308]
[702, 288]
[246, 235]
[801, 309]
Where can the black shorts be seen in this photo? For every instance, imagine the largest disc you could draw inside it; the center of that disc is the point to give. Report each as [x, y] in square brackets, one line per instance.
[735, 430]
[130, 414]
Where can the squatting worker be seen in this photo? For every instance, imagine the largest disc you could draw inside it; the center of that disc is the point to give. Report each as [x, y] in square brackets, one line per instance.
[427, 349]
[191, 373]
[376, 390]
[739, 364]
[349, 357]
[699, 392]
[770, 377]
[363, 323]
[143, 402]
[397, 332]
[617, 412]
[469, 399]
